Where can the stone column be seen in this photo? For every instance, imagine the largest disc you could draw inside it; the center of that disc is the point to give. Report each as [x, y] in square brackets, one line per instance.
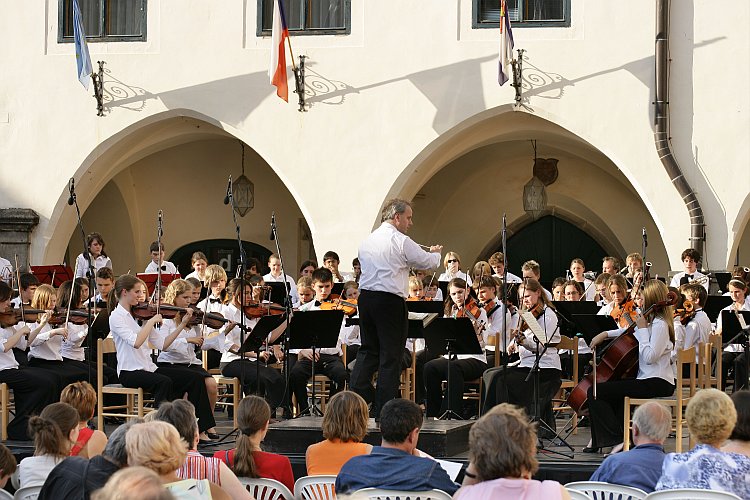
[16, 225]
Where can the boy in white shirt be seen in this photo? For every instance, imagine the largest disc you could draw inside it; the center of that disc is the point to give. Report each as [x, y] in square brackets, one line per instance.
[157, 259]
[690, 259]
[275, 276]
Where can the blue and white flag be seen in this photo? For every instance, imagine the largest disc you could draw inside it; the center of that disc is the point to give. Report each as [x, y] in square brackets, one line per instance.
[83, 60]
[506, 45]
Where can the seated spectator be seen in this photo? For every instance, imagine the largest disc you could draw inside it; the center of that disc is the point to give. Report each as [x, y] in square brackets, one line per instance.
[82, 397]
[502, 449]
[54, 432]
[134, 483]
[710, 417]
[344, 428]
[76, 478]
[739, 440]
[158, 446]
[181, 414]
[396, 464]
[247, 459]
[641, 466]
[8, 465]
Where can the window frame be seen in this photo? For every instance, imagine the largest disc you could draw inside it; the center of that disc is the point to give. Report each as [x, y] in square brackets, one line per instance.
[346, 30]
[477, 24]
[101, 39]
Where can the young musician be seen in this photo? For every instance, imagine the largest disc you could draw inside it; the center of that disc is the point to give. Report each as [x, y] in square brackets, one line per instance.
[655, 335]
[690, 259]
[275, 276]
[33, 389]
[577, 270]
[307, 268]
[732, 352]
[510, 385]
[157, 259]
[331, 262]
[95, 250]
[350, 334]
[600, 286]
[199, 262]
[497, 262]
[431, 289]
[572, 293]
[634, 264]
[29, 284]
[452, 265]
[465, 366]
[84, 284]
[327, 360]
[105, 280]
[558, 289]
[531, 270]
[698, 324]
[486, 290]
[245, 367]
[480, 269]
[357, 267]
[305, 290]
[416, 290]
[216, 281]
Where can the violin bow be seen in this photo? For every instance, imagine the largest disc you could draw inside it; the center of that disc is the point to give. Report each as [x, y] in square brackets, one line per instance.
[18, 280]
[159, 232]
[70, 297]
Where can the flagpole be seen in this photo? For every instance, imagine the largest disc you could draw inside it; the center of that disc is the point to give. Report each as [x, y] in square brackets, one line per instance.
[289, 43]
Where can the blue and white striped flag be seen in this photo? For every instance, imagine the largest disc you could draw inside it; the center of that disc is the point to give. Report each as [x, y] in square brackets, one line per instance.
[506, 45]
[83, 60]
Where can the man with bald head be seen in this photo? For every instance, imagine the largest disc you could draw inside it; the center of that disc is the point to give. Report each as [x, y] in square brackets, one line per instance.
[640, 467]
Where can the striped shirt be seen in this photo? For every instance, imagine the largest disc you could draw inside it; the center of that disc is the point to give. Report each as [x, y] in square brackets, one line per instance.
[197, 466]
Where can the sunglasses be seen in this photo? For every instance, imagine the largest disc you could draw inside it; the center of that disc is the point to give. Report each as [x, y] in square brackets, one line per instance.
[451, 261]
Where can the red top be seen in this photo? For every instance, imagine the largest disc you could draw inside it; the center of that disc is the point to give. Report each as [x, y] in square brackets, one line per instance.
[83, 437]
[268, 465]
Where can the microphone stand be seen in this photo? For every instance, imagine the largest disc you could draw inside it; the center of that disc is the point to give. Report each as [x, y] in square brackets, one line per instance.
[288, 306]
[73, 200]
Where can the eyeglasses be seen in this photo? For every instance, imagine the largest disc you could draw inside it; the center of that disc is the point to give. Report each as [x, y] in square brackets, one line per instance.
[451, 261]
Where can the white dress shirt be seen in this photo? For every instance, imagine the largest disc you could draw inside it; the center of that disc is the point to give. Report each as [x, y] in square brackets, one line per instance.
[386, 256]
[125, 330]
[180, 351]
[654, 351]
[6, 270]
[82, 265]
[696, 275]
[696, 331]
[46, 346]
[268, 278]
[446, 276]
[7, 359]
[512, 278]
[527, 350]
[72, 347]
[233, 337]
[166, 268]
[495, 326]
[195, 275]
[211, 304]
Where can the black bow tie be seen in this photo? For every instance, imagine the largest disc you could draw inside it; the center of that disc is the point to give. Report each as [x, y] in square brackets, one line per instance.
[211, 300]
[318, 303]
[689, 276]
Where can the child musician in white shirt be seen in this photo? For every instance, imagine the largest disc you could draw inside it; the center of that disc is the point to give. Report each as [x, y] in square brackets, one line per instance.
[275, 276]
[95, 250]
[690, 259]
[157, 259]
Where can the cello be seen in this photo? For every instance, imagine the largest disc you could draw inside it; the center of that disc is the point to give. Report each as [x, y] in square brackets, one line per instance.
[619, 360]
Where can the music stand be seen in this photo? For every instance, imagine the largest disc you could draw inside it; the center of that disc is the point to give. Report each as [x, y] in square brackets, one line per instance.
[732, 331]
[566, 310]
[337, 289]
[416, 324]
[52, 275]
[425, 306]
[591, 325]
[151, 278]
[723, 279]
[278, 291]
[714, 304]
[451, 336]
[315, 330]
[443, 286]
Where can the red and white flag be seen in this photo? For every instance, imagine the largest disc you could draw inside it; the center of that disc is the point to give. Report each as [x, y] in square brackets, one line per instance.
[506, 45]
[277, 66]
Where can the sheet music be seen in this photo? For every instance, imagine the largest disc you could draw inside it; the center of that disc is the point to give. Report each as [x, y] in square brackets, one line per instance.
[534, 326]
[425, 318]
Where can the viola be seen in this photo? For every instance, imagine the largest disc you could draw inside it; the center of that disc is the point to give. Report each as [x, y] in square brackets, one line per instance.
[14, 316]
[147, 310]
[335, 303]
[686, 313]
[76, 316]
[619, 360]
[624, 313]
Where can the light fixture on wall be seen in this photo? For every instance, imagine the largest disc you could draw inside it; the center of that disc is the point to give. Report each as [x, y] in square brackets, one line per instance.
[243, 190]
[534, 192]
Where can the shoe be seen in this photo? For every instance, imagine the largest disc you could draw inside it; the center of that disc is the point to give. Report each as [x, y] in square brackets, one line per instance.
[585, 422]
[589, 449]
[213, 435]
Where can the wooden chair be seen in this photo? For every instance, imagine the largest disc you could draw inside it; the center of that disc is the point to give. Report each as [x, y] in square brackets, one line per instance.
[134, 397]
[707, 352]
[680, 399]
[4, 409]
[408, 380]
[560, 405]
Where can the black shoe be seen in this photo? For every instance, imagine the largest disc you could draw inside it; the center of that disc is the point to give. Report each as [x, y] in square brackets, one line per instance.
[213, 435]
[585, 422]
[589, 449]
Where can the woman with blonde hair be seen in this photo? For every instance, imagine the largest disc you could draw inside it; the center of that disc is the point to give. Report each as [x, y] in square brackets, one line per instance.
[502, 449]
[711, 417]
[82, 397]
[344, 428]
[452, 264]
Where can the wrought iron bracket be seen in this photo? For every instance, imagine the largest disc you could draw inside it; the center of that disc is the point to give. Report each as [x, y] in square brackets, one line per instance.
[517, 65]
[299, 83]
[98, 79]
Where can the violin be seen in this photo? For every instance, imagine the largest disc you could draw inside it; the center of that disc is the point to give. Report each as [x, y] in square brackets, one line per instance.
[259, 309]
[335, 303]
[536, 311]
[423, 298]
[14, 316]
[472, 311]
[76, 316]
[686, 313]
[624, 313]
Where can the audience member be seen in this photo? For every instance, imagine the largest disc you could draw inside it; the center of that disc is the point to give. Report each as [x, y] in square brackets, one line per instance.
[181, 414]
[396, 464]
[344, 428]
[54, 432]
[134, 483]
[8, 465]
[739, 440]
[247, 459]
[502, 449]
[641, 466]
[82, 397]
[710, 417]
[158, 446]
[76, 478]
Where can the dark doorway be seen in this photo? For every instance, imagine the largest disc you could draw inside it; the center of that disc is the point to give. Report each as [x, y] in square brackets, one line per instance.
[553, 243]
[223, 252]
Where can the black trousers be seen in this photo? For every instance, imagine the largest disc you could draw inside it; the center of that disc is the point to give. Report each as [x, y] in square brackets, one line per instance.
[269, 381]
[509, 385]
[110, 374]
[68, 372]
[566, 361]
[186, 380]
[156, 383]
[607, 411]
[384, 323]
[329, 365]
[436, 371]
[740, 372]
[727, 364]
[32, 390]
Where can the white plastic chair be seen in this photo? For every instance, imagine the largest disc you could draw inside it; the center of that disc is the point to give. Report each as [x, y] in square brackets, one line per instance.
[266, 489]
[4, 495]
[578, 495]
[315, 488]
[605, 491]
[28, 493]
[692, 494]
[381, 494]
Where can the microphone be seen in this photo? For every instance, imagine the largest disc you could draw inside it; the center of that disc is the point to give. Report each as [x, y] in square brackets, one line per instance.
[645, 238]
[273, 225]
[229, 191]
[71, 190]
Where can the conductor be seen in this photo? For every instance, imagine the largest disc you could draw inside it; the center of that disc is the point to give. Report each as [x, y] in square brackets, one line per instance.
[386, 256]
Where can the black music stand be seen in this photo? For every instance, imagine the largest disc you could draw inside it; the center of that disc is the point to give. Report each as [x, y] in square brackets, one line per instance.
[591, 325]
[732, 332]
[714, 304]
[723, 279]
[565, 311]
[337, 289]
[151, 278]
[279, 291]
[451, 336]
[315, 330]
[52, 275]
[443, 286]
[425, 306]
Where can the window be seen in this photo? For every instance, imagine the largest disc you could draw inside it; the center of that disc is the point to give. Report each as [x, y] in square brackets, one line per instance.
[523, 13]
[105, 20]
[308, 17]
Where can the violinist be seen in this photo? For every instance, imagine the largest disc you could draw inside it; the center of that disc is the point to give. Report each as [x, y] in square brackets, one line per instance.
[85, 292]
[655, 336]
[497, 262]
[416, 290]
[307, 268]
[486, 290]
[690, 258]
[199, 263]
[733, 352]
[179, 340]
[271, 382]
[696, 322]
[510, 385]
[622, 308]
[33, 389]
[327, 360]
[350, 334]
[29, 284]
[452, 265]
[275, 276]
[95, 251]
[464, 366]
[105, 280]
[305, 290]
[216, 281]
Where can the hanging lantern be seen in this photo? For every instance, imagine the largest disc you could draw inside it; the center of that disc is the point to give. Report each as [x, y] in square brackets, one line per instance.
[243, 190]
[534, 198]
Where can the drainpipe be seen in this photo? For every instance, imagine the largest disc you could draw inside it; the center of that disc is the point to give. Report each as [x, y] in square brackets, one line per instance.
[661, 129]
